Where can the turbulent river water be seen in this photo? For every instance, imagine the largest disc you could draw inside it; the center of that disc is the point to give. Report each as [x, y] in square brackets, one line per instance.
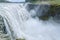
[22, 24]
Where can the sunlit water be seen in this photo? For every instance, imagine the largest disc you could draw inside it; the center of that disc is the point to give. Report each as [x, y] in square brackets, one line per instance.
[23, 25]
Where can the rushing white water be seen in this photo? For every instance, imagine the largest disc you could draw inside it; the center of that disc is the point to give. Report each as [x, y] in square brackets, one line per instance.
[23, 25]
[11, 13]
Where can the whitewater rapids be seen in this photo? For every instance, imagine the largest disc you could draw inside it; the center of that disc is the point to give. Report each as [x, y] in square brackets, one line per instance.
[23, 25]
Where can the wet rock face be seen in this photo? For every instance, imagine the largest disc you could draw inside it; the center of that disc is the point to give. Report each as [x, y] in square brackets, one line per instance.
[45, 11]
[2, 26]
[40, 10]
[3, 31]
[30, 7]
[54, 11]
[57, 14]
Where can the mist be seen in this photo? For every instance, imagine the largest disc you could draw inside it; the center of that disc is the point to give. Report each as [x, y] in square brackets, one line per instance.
[38, 29]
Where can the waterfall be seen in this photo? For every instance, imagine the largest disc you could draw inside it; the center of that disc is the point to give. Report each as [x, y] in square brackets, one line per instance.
[15, 17]
[20, 23]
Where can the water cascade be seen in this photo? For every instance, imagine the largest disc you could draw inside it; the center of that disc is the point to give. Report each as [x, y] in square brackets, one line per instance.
[15, 17]
[20, 23]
